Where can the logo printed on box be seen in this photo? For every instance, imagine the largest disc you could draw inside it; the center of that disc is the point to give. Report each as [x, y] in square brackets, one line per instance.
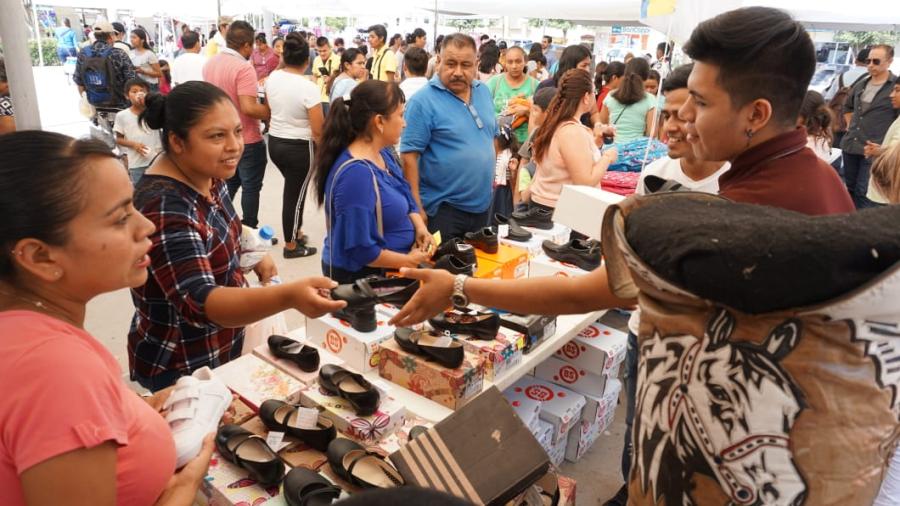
[591, 332]
[568, 374]
[334, 341]
[571, 349]
[538, 393]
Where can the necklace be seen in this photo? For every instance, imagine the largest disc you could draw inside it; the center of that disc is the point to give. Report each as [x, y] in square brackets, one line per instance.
[39, 304]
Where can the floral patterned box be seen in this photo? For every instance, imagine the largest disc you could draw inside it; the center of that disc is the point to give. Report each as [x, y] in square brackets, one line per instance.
[256, 381]
[228, 485]
[450, 387]
[500, 355]
[390, 415]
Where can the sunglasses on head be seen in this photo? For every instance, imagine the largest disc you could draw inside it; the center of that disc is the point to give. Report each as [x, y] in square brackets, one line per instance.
[873, 61]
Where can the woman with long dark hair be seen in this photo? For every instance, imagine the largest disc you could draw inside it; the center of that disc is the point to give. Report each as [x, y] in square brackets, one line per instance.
[372, 220]
[351, 72]
[610, 80]
[489, 61]
[573, 57]
[630, 108]
[145, 61]
[297, 119]
[815, 116]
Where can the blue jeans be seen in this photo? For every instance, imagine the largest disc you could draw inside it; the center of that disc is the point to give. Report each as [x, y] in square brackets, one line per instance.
[453, 222]
[630, 384]
[856, 177]
[64, 52]
[249, 178]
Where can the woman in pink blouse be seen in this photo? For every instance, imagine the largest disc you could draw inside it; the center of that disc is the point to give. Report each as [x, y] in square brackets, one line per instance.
[264, 58]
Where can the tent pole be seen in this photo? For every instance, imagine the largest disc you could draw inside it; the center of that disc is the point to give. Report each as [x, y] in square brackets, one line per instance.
[434, 36]
[37, 34]
[18, 65]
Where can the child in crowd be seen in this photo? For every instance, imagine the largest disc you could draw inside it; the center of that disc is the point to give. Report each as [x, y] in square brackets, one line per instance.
[139, 143]
[651, 85]
[540, 101]
[165, 82]
[505, 171]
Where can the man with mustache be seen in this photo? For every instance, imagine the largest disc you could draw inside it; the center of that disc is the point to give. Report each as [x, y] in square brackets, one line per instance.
[448, 143]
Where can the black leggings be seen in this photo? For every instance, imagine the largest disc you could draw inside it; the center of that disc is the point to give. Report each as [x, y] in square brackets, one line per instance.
[293, 157]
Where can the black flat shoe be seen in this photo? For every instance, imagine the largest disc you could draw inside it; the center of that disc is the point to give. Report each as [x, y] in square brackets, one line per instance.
[300, 251]
[454, 265]
[534, 217]
[472, 323]
[361, 468]
[516, 232]
[281, 416]
[249, 451]
[485, 239]
[305, 487]
[362, 319]
[457, 248]
[373, 290]
[352, 387]
[306, 357]
[582, 254]
[431, 345]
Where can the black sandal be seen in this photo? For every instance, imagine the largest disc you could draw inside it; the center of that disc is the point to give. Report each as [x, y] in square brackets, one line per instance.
[305, 487]
[352, 387]
[281, 416]
[300, 251]
[360, 467]
[250, 452]
[306, 357]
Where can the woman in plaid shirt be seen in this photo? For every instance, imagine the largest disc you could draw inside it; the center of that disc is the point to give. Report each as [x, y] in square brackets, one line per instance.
[192, 310]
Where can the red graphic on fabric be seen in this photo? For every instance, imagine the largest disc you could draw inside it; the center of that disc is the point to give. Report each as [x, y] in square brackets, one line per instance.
[539, 393]
[590, 331]
[571, 349]
[607, 333]
[568, 374]
[334, 341]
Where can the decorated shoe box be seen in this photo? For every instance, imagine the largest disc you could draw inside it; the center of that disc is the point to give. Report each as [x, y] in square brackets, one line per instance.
[543, 266]
[596, 408]
[229, 485]
[597, 348]
[400, 436]
[560, 406]
[292, 451]
[529, 410]
[359, 350]
[482, 453]
[256, 380]
[307, 378]
[581, 438]
[547, 488]
[449, 387]
[534, 328]
[390, 414]
[571, 376]
[500, 355]
[512, 259]
[581, 208]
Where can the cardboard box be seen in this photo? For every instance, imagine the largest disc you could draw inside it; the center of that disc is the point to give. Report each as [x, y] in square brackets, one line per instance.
[487, 269]
[495, 457]
[365, 429]
[532, 246]
[359, 350]
[580, 440]
[257, 381]
[535, 328]
[500, 355]
[560, 406]
[544, 434]
[528, 409]
[596, 408]
[449, 387]
[581, 208]
[598, 348]
[228, 485]
[513, 261]
[307, 378]
[400, 437]
[542, 266]
[571, 376]
[558, 234]
[242, 412]
[557, 450]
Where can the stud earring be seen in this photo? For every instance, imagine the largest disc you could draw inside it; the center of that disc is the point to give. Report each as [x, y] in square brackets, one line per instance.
[749, 133]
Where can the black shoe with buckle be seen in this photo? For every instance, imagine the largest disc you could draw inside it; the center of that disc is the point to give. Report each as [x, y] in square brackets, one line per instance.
[282, 417]
[582, 254]
[485, 239]
[535, 217]
[516, 232]
[432, 345]
[467, 322]
[352, 387]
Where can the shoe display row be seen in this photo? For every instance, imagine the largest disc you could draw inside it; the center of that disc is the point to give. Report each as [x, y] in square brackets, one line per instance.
[438, 345]
[584, 254]
[534, 217]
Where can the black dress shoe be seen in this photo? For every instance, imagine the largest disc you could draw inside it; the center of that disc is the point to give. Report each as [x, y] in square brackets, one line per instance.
[300, 251]
[431, 345]
[534, 217]
[454, 265]
[362, 319]
[359, 467]
[305, 487]
[516, 232]
[582, 254]
[249, 451]
[350, 386]
[281, 416]
[472, 323]
[306, 357]
[485, 239]
[457, 248]
[373, 290]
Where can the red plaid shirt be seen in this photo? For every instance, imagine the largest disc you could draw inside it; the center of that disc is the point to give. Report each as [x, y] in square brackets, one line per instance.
[196, 248]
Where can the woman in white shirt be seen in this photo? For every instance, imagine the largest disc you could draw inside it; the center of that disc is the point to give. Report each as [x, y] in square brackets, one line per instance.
[296, 123]
[146, 64]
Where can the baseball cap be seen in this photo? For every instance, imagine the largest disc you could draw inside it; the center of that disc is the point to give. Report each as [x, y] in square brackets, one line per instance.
[118, 27]
[104, 26]
[225, 20]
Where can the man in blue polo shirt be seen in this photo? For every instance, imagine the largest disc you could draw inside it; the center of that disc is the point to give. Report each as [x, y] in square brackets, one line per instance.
[448, 143]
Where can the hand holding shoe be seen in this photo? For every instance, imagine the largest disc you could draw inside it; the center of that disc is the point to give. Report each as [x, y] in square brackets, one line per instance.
[158, 400]
[417, 257]
[310, 296]
[432, 297]
[183, 485]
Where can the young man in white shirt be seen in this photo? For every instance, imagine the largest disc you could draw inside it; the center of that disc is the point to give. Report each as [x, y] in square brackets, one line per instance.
[415, 64]
[189, 65]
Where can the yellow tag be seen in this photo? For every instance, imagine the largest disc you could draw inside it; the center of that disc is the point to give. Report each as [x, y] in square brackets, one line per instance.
[437, 238]
[520, 343]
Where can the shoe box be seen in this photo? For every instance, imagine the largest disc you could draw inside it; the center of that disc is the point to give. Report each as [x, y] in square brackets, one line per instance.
[534, 328]
[581, 208]
[512, 261]
[400, 437]
[391, 413]
[229, 485]
[573, 377]
[542, 265]
[597, 416]
[581, 438]
[500, 355]
[307, 378]
[493, 456]
[560, 406]
[544, 434]
[448, 387]
[598, 348]
[596, 408]
[557, 450]
[487, 269]
[528, 410]
[359, 350]
[558, 234]
[256, 380]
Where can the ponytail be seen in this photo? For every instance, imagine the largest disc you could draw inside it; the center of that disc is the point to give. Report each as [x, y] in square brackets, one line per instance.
[817, 117]
[631, 91]
[181, 109]
[574, 84]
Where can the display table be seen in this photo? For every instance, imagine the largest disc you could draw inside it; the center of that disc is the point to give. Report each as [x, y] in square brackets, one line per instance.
[567, 327]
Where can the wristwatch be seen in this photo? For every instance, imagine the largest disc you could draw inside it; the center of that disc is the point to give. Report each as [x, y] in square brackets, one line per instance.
[459, 298]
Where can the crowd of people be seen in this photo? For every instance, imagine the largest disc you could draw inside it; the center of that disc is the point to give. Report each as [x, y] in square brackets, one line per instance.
[398, 144]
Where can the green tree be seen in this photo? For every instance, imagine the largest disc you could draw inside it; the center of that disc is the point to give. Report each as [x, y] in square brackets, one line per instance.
[336, 24]
[860, 40]
[562, 24]
[464, 25]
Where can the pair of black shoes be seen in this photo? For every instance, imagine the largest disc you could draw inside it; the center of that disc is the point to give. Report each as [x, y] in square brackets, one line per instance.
[456, 257]
[584, 254]
[516, 232]
[431, 345]
[305, 357]
[350, 386]
[485, 240]
[250, 452]
[282, 417]
[480, 325]
[362, 296]
[534, 217]
[360, 467]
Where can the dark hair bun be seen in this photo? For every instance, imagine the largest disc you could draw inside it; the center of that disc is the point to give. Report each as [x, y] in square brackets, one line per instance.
[155, 113]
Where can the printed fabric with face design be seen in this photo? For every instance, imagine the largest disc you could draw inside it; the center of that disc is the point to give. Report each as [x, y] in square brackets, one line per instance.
[457, 68]
[214, 145]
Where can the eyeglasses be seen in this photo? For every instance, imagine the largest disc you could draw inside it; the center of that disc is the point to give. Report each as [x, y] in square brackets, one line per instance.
[873, 61]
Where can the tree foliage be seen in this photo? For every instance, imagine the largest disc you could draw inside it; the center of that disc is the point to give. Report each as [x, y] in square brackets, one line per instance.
[860, 40]
[562, 24]
[337, 24]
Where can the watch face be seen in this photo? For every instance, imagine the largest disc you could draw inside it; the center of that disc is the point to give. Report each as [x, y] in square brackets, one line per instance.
[459, 301]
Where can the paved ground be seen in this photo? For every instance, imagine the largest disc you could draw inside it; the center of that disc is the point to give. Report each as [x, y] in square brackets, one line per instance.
[108, 316]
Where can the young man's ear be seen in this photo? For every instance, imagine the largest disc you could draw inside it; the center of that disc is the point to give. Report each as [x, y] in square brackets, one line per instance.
[760, 114]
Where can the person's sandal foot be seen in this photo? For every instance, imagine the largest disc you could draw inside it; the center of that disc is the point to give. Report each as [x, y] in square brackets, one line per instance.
[299, 252]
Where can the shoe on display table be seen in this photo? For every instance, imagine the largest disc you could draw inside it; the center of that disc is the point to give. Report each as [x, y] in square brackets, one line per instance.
[360, 467]
[250, 451]
[432, 345]
[583, 254]
[195, 407]
[306, 357]
[305, 487]
[362, 296]
[454, 265]
[480, 325]
[485, 240]
[516, 232]
[352, 387]
[535, 217]
[457, 248]
[282, 417]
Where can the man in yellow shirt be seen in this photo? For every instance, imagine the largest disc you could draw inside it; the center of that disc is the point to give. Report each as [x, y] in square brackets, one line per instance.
[217, 43]
[325, 64]
[384, 62]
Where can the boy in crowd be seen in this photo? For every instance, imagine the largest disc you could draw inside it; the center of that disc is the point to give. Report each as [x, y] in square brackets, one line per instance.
[415, 64]
[139, 143]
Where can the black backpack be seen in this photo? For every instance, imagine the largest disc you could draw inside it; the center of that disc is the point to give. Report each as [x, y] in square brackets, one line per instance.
[836, 104]
[98, 76]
